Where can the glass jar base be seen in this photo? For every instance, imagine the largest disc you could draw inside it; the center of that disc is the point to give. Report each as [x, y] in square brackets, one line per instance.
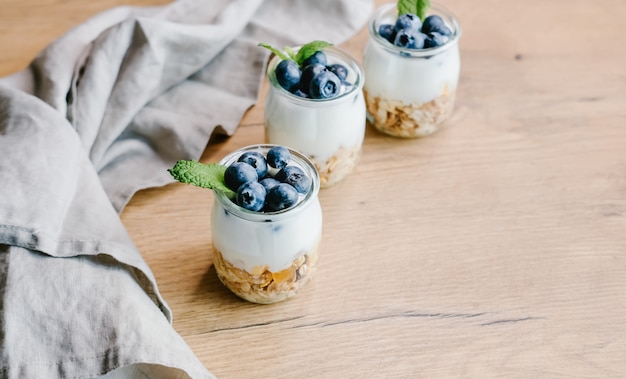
[395, 118]
[263, 286]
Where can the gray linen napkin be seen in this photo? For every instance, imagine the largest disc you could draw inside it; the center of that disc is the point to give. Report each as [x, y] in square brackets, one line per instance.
[101, 113]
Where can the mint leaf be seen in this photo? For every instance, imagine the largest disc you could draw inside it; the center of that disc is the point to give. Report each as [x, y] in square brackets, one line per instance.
[290, 52]
[416, 7]
[309, 49]
[407, 6]
[201, 175]
[274, 50]
[305, 51]
[422, 8]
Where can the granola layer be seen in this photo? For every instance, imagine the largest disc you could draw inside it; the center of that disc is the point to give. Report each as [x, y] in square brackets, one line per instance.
[398, 119]
[338, 166]
[263, 286]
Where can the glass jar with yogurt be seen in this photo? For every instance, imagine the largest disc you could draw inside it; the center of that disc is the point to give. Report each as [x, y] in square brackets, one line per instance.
[266, 257]
[410, 92]
[329, 131]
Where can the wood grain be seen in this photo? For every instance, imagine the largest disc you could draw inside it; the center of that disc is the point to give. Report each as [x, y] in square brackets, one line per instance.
[494, 248]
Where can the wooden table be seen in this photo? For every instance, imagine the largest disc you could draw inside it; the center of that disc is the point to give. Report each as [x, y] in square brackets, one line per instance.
[494, 248]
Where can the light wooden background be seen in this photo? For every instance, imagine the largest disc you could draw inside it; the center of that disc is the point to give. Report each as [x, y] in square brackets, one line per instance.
[495, 248]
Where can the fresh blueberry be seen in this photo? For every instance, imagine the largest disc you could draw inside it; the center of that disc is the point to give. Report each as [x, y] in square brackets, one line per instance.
[324, 85]
[256, 160]
[251, 196]
[278, 157]
[434, 39]
[288, 74]
[435, 24]
[386, 31]
[296, 177]
[407, 21]
[307, 75]
[409, 39]
[338, 69]
[281, 197]
[269, 183]
[319, 57]
[239, 173]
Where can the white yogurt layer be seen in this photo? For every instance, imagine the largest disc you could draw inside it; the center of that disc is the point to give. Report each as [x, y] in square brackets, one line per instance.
[409, 79]
[410, 76]
[317, 128]
[248, 244]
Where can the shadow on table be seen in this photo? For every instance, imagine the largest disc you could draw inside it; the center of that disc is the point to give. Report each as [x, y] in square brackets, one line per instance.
[212, 291]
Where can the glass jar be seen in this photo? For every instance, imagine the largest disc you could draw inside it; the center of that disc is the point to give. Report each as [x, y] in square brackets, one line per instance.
[410, 93]
[329, 131]
[266, 257]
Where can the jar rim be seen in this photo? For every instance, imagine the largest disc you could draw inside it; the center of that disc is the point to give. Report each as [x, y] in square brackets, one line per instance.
[389, 9]
[333, 51]
[241, 212]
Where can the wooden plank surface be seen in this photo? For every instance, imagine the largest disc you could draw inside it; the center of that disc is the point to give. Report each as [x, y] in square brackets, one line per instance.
[494, 248]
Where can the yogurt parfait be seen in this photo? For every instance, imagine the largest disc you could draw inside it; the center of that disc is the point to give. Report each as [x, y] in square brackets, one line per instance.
[266, 220]
[315, 105]
[412, 64]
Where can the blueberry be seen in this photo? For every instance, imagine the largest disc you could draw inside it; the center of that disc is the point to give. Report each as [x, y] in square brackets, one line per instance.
[288, 74]
[256, 160]
[239, 173]
[251, 196]
[269, 183]
[307, 75]
[407, 21]
[434, 39]
[386, 31]
[281, 197]
[324, 85]
[409, 39]
[435, 24]
[338, 69]
[278, 157]
[296, 177]
[319, 57]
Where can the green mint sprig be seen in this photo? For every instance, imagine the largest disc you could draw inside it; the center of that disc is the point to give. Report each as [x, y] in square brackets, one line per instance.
[274, 50]
[202, 175]
[305, 51]
[417, 7]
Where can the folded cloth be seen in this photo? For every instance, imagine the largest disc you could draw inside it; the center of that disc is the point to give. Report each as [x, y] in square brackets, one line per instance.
[101, 113]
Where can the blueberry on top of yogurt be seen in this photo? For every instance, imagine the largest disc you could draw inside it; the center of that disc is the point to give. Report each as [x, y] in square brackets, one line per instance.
[410, 39]
[338, 69]
[288, 74]
[256, 160]
[251, 196]
[294, 176]
[435, 24]
[407, 21]
[308, 73]
[325, 85]
[255, 181]
[318, 57]
[238, 174]
[317, 77]
[281, 196]
[413, 30]
[278, 156]
[270, 193]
